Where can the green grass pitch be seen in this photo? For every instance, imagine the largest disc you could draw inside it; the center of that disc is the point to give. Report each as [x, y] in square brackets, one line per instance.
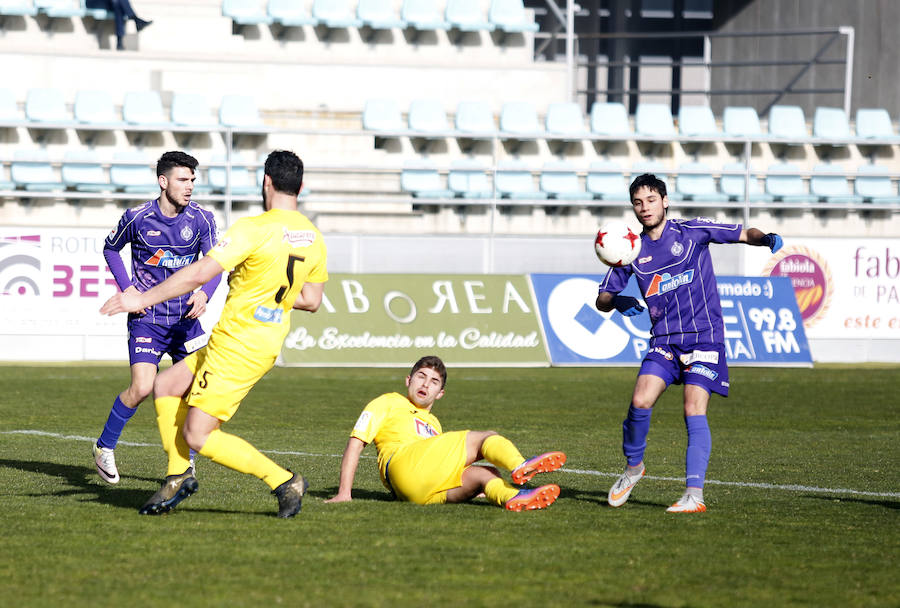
[803, 494]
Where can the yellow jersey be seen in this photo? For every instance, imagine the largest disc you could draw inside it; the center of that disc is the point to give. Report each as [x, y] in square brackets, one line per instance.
[273, 255]
[393, 421]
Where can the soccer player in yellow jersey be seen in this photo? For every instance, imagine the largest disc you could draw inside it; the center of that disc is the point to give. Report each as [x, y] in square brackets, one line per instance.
[420, 464]
[278, 262]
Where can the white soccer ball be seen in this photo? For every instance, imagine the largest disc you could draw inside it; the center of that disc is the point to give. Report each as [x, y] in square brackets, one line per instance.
[617, 244]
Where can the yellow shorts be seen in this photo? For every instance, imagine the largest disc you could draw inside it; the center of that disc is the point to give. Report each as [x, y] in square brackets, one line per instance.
[222, 379]
[423, 471]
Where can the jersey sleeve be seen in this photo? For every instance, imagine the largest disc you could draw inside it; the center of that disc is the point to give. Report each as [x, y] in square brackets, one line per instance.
[235, 246]
[122, 233]
[615, 280]
[703, 229]
[370, 420]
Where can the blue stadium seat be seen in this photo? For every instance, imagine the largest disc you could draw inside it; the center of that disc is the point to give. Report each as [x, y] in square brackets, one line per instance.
[468, 179]
[289, 13]
[31, 170]
[423, 15]
[245, 12]
[423, 181]
[96, 108]
[559, 180]
[465, 16]
[17, 8]
[46, 105]
[99, 10]
[510, 16]
[239, 112]
[875, 123]
[831, 123]
[64, 9]
[9, 111]
[513, 180]
[733, 185]
[518, 119]
[654, 120]
[830, 182]
[82, 171]
[379, 15]
[785, 183]
[696, 183]
[133, 172]
[144, 108]
[476, 119]
[427, 116]
[873, 183]
[787, 122]
[336, 14]
[741, 121]
[564, 120]
[191, 110]
[243, 179]
[382, 115]
[606, 181]
[609, 118]
[697, 121]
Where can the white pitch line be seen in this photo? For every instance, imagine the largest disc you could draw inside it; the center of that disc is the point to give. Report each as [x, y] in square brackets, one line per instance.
[737, 484]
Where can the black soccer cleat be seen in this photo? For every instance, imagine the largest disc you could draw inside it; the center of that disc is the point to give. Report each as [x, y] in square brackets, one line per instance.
[290, 495]
[173, 490]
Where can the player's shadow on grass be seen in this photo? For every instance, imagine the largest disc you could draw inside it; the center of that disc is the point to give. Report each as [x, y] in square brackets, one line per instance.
[358, 494]
[600, 496]
[84, 483]
[878, 502]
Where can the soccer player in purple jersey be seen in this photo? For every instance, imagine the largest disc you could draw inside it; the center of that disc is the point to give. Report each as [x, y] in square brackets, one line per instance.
[687, 337]
[165, 234]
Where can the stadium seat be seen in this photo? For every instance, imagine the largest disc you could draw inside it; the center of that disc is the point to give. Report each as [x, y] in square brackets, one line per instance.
[191, 110]
[243, 179]
[741, 121]
[382, 115]
[696, 183]
[144, 108]
[63, 9]
[519, 118]
[785, 183]
[564, 120]
[427, 116]
[831, 123]
[239, 112]
[787, 122]
[289, 13]
[873, 183]
[875, 123]
[697, 121]
[9, 112]
[513, 180]
[423, 15]
[245, 12]
[829, 182]
[659, 170]
[733, 185]
[468, 179]
[476, 119]
[379, 15]
[95, 108]
[132, 172]
[606, 181]
[17, 8]
[423, 181]
[465, 16]
[335, 14]
[46, 105]
[609, 118]
[510, 16]
[559, 180]
[654, 120]
[99, 10]
[82, 171]
[31, 170]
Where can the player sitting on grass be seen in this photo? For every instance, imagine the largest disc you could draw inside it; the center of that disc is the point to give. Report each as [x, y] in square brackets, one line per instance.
[418, 463]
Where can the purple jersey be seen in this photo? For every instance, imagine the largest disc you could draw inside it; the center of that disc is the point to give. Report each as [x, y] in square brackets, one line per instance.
[676, 277]
[160, 246]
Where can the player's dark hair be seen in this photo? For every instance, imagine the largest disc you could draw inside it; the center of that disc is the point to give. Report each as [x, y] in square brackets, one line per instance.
[647, 180]
[170, 160]
[286, 170]
[431, 362]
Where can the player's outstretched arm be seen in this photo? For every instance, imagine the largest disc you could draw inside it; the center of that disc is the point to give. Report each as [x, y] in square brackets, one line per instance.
[348, 470]
[310, 297]
[755, 236]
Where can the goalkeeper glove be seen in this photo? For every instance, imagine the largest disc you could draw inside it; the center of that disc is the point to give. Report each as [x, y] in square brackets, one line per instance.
[628, 306]
[772, 241]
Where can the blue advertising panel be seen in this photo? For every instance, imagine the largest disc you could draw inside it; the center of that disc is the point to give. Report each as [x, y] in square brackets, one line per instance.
[763, 325]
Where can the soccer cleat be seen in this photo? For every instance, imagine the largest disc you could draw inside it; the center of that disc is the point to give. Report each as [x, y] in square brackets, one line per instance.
[620, 491]
[687, 504]
[105, 460]
[537, 498]
[549, 461]
[290, 496]
[174, 489]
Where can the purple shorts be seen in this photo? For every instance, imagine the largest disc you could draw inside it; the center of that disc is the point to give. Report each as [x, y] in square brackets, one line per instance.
[147, 343]
[701, 364]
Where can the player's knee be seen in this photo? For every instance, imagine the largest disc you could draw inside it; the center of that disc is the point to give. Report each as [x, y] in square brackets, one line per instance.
[194, 439]
[642, 402]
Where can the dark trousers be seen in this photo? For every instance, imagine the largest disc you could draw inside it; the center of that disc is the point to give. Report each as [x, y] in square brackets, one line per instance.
[123, 12]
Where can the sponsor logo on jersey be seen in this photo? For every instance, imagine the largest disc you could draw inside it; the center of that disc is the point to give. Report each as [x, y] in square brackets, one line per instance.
[299, 238]
[423, 429]
[701, 370]
[362, 423]
[649, 258]
[703, 356]
[267, 315]
[113, 233]
[665, 283]
[153, 233]
[222, 244]
[167, 259]
[146, 350]
[705, 220]
[663, 352]
[187, 233]
[143, 340]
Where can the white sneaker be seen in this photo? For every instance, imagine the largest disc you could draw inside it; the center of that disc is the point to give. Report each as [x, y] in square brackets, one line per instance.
[620, 491]
[687, 504]
[105, 460]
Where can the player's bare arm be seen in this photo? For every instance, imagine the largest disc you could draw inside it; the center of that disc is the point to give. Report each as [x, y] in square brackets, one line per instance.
[185, 280]
[349, 463]
[310, 297]
[755, 236]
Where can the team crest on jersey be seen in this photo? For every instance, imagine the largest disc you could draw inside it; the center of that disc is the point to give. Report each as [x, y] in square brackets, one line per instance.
[187, 233]
[167, 259]
[423, 429]
[677, 248]
[299, 238]
[665, 283]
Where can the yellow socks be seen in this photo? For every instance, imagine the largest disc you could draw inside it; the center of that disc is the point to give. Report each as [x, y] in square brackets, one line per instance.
[499, 492]
[500, 451]
[235, 453]
[170, 415]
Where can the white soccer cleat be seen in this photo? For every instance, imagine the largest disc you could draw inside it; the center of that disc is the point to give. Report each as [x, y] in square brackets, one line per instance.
[105, 460]
[620, 491]
[687, 504]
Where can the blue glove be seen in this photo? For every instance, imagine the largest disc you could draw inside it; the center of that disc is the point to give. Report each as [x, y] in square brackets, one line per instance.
[772, 241]
[628, 306]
